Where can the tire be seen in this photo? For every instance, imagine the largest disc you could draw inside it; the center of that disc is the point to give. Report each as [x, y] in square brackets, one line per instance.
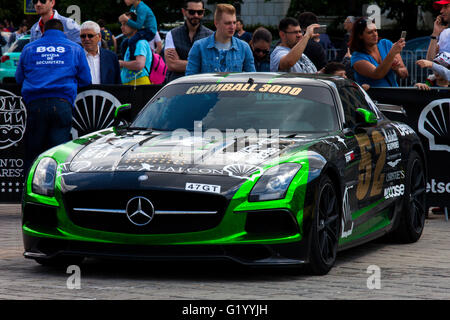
[325, 229]
[60, 262]
[412, 216]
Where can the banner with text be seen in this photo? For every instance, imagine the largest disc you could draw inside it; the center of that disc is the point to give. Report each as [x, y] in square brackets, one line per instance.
[427, 112]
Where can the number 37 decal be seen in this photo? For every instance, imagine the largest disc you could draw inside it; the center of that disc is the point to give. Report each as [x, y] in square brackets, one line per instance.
[367, 178]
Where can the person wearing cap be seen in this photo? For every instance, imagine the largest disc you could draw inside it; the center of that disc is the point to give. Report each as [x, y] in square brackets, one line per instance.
[440, 38]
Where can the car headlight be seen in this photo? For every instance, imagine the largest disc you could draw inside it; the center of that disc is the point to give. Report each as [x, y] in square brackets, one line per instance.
[44, 177]
[274, 183]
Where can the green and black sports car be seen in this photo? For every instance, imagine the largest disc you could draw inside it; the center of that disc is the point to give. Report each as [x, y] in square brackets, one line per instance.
[257, 168]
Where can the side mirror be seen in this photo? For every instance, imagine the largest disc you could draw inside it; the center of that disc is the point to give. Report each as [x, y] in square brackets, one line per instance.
[365, 118]
[122, 115]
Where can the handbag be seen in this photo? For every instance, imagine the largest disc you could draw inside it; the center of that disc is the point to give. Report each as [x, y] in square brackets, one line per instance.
[158, 69]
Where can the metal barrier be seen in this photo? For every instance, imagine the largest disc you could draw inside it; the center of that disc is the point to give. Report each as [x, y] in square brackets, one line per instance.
[416, 74]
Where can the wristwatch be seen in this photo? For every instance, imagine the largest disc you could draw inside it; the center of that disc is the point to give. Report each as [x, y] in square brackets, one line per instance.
[433, 37]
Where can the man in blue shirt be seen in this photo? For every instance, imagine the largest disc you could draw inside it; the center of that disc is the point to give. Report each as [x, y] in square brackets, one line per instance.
[44, 8]
[221, 52]
[50, 70]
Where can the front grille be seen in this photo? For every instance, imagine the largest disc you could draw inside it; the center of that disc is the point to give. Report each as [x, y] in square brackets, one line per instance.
[176, 211]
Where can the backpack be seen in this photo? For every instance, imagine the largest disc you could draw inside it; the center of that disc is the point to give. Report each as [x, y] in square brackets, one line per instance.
[158, 69]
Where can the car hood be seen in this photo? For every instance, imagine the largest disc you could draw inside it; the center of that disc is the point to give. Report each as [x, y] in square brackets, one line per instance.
[241, 156]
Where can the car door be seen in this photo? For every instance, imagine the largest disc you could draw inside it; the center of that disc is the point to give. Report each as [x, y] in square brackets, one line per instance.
[365, 167]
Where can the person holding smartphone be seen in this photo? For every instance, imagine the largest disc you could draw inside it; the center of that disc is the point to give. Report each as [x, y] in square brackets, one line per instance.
[440, 38]
[376, 63]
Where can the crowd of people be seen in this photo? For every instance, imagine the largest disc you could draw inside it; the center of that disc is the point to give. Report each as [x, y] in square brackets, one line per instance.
[63, 55]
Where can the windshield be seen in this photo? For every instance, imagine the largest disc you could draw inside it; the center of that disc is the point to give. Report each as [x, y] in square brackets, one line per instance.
[18, 45]
[287, 108]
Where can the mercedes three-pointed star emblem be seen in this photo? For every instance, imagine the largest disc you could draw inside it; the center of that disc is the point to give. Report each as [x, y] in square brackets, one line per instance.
[140, 211]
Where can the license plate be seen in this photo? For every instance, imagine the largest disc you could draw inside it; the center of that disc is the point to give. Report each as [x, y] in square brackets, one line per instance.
[202, 187]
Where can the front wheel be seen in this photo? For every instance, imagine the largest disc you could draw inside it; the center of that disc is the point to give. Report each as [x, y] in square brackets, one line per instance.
[412, 219]
[325, 229]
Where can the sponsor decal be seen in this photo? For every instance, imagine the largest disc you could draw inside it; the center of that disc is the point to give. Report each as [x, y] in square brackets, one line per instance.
[394, 191]
[191, 186]
[394, 163]
[245, 87]
[347, 223]
[349, 156]
[434, 124]
[391, 139]
[13, 119]
[243, 171]
[403, 129]
[438, 186]
[396, 175]
[261, 150]
[339, 139]
[394, 156]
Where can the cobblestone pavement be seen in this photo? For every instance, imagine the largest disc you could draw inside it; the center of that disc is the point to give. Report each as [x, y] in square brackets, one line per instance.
[412, 271]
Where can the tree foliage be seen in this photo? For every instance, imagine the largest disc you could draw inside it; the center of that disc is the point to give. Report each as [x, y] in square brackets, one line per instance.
[403, 11]
[109, 10]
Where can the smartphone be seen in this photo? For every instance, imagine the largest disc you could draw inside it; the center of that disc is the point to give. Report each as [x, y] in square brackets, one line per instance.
[322, 29]
[403, 35]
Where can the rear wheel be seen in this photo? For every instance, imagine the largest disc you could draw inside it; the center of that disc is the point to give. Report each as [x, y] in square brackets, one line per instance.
[325, 229]
[412, 219]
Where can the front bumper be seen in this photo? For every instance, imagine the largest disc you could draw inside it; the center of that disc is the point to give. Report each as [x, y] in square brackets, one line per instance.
[294, 253]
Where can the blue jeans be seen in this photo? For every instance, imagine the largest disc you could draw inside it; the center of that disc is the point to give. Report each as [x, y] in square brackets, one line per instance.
[49, 121]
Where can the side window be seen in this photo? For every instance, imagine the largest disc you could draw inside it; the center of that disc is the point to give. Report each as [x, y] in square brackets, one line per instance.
[352, 99]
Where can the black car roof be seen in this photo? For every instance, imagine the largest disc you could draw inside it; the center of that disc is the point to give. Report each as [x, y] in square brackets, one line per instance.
[264, 77]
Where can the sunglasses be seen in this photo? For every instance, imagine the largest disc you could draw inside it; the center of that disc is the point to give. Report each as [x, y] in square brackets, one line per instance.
[364, 21]
[193, 12]
[257, 50]
[41, 1]
[88, 35]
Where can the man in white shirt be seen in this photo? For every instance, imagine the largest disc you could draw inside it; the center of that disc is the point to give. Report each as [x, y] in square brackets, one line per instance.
[289, 56]
[103, 63]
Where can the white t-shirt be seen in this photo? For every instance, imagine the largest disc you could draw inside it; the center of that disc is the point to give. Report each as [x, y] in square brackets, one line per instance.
[155, 39]
[444, 41]
[303, 65]
[168, 42]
